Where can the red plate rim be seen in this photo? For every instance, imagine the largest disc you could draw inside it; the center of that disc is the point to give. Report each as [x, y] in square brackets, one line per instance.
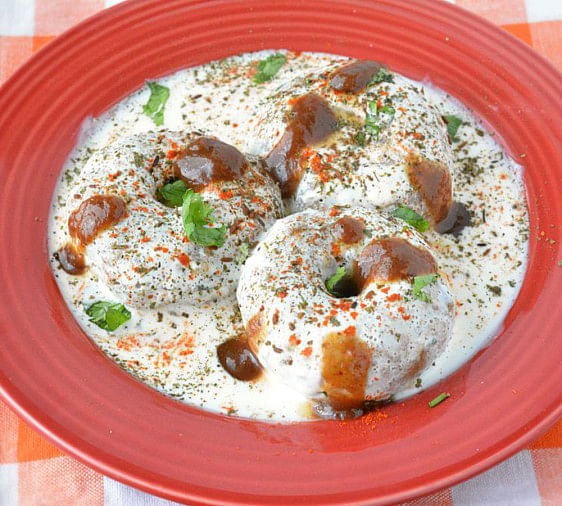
[61, 384]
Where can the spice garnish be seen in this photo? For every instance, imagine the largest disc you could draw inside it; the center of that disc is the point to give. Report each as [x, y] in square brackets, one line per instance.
[420, 282]
[138, 159]
[453, 124]
[360, 138]
[338, 276]
[439, 399]
[371, 125]
[411, 218]
[496, 290]
[383, 75]
[172, 194]
[387, 109]
[244, 254]
[197, 216]
[154, 108]
[269, 67]
[108, 315]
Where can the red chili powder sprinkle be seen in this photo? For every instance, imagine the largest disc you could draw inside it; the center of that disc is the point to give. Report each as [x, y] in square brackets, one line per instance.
[184, 259]
[349, 331]
[307, 351]
[294, 340]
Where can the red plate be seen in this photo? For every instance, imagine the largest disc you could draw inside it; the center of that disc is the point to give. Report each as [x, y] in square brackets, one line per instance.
[61, 384]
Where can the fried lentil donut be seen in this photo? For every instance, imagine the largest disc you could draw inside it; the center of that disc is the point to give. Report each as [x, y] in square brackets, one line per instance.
[356, 134]
[144, 257]
[367, 339]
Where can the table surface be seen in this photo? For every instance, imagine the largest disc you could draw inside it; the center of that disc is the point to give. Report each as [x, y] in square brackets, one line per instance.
[33, 472]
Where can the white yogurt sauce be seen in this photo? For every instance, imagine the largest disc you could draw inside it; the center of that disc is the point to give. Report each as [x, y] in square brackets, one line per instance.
[173, 348]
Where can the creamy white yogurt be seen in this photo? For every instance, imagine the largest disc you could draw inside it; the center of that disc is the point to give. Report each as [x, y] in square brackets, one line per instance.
[173, 348]
[299, 327]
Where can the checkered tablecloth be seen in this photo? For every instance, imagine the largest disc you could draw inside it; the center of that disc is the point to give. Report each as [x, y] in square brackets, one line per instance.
[34, 472]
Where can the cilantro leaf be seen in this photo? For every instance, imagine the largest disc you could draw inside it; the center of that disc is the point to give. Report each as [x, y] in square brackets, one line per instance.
[171, 194]
[383, 76]
[411, 218]
[453, 124]
[196, 216]
[154, 108]
[420, 282]
[108, 315]
[269, 67]
[333, 281]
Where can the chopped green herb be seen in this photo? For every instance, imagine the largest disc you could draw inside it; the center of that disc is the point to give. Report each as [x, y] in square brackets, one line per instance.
[439, 399]
[382, 76]
[244, 254]
[269, 67]
[154, 108]
[559, 263]
[108, 315]
[197, 216]
[453, 124]
[303, 304]
[139, 160]
[373, 107]
[360, 138]
[420, 282]
[496, 290]
[411, 218]
[387, 109]
[172, 194]
[372, 127]
[338, 276]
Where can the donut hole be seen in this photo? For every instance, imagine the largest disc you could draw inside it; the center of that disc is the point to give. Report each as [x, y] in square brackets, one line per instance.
[345, 286]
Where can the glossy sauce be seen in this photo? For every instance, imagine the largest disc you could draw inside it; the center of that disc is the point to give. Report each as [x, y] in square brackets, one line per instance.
[95, 215]
[352, 230]
[354, 77]
[313, 121]
[392, 259]
[433, 182]
[345, 367]
[208, 160]
[190, 381]
[70, 260]
[239, 360]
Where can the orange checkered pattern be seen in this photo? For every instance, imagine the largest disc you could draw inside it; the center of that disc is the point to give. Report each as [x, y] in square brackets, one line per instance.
[33, 472]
